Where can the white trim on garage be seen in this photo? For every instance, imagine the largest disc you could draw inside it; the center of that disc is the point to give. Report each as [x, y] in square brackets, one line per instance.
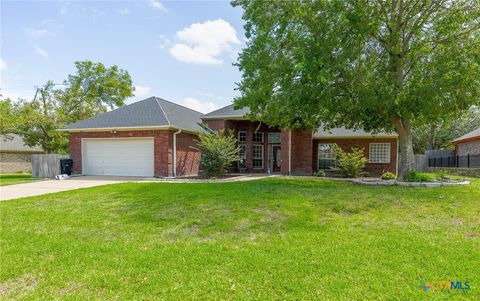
[124, 156]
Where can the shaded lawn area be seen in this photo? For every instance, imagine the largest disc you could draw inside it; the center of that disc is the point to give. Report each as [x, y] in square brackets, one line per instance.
[14, 178]
[275, 238]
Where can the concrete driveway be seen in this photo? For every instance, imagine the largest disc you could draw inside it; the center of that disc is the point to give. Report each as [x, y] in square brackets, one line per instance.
[49, 186]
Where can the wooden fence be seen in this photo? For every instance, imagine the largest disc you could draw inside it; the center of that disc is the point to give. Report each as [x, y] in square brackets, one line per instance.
[46, 166]
[421, 163]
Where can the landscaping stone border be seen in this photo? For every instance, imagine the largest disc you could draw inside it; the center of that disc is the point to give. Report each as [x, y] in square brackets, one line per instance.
[380, 182]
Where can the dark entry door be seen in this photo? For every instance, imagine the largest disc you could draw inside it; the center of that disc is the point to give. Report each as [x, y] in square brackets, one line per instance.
[277, 158]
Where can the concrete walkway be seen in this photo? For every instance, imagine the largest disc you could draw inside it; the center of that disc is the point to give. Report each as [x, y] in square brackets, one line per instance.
[34, 188]
[50, 186]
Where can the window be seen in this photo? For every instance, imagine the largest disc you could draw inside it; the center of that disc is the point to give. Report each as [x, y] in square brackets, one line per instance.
[379, 153]
[242, 136]
[273, 137]
[242, 153]
[326, 156]
[257, 156]
[258, 137]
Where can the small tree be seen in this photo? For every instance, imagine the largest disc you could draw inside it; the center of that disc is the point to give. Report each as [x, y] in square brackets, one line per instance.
[351, 163]
[219, 150]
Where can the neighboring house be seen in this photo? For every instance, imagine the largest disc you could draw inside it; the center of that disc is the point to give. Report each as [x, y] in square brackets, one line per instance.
[155, 137]
[468, 144]
[15, 156]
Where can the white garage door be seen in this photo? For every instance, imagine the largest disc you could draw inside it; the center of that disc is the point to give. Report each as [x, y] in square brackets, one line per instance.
[118, 157]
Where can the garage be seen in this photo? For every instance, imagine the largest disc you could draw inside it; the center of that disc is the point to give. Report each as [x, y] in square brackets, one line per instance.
[118, 157]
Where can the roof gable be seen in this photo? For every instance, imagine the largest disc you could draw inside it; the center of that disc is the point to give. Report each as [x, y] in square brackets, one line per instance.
[151, 112]
[472, 135]
[227, 112]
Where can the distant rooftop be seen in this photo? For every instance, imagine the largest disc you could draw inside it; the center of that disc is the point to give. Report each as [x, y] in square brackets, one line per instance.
[16, 144]
[468, 136]
[151, 112]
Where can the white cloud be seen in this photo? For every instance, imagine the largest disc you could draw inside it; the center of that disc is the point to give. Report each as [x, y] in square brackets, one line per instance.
[198, 105]
[40, 51]
[3, 65]
[156, 4]
[142, 91]
[164, 41]
[38, 33]
[203, 43]
[124, 11]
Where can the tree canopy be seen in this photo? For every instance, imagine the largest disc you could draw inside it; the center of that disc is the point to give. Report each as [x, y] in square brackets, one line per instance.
[93, 89]
[371, 64]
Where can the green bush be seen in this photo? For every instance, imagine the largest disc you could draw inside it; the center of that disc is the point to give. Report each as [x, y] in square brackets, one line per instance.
[219, 150]
[320, 173]
[419, 177]
[442, 175]
[388, 176]
[351, 164]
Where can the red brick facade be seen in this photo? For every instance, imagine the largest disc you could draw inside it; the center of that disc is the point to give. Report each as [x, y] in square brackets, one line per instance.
[249, 128]
[346, 144]
[163, 148]
[300, 160]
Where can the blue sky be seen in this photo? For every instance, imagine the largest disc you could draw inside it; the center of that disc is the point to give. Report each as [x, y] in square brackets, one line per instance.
[178, 50]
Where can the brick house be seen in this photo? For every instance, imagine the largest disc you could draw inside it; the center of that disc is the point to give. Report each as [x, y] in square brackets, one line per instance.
[15, 156]
[468, 144]
[155, 137]
[300, 151]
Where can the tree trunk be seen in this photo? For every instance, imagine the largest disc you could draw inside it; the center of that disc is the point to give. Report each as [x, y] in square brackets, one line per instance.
[406, 160]
[431, 137]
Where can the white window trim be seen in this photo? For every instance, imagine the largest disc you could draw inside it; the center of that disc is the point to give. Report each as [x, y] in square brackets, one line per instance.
[380, 162]
[238, 137]
[318, 155]
[253, 157]
[263, 137]
[245, 153]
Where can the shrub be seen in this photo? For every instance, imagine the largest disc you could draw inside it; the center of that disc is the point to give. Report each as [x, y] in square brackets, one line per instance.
[320, 173]
[442, 175]
[219, 150]
[419, 177]
[388, 176]
[351, 164]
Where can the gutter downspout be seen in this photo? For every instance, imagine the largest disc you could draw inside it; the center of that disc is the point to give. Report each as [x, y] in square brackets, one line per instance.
[290, 152]
[175, 153]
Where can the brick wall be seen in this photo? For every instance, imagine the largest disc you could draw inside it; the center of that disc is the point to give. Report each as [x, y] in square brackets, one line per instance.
[301, 152]
[471, 147]
[163, 143]
[15, 162]
[187, 155]
[374, 169]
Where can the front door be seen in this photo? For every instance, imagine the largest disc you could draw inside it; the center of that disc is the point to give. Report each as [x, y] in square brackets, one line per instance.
[276, 158]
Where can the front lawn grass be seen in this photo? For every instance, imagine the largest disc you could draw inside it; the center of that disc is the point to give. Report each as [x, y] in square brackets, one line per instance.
[14, 178]
[276, 238]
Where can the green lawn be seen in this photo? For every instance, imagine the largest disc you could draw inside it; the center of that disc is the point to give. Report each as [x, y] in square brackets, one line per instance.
[14, 178]
[275, 238]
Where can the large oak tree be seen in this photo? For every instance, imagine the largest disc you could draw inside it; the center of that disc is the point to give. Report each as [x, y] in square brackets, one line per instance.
[371, 64]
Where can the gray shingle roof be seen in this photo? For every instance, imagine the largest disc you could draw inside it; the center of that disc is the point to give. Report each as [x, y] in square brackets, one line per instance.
[472, 134]
[343, 132]
[226, 112]
[16, 144]
[150, 112]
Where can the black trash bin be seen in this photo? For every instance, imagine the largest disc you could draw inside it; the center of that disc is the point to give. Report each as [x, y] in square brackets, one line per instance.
[66, 166]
